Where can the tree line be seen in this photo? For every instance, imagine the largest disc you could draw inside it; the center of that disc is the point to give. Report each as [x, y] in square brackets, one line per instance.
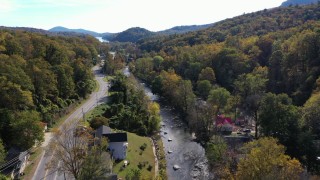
[40, 77]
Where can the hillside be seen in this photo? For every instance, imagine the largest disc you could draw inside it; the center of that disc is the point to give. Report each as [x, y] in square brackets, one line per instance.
[40, 76]
[298, 2]
[253, 24]
[81, 31]
[131, 35]
[183, 29]
[263, 65]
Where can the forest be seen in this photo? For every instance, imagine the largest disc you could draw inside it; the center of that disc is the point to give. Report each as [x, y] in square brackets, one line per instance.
[41, 78]
[262, 67]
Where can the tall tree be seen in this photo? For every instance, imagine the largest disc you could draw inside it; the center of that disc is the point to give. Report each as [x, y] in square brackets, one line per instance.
[69, 147]
[251, 87]
[262, 162]
[97, 163]
[207, 74]
[280, 119]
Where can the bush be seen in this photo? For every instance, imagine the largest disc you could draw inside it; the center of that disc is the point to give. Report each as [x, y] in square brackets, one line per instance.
[149, 168]
[96, 122]
[143, 147]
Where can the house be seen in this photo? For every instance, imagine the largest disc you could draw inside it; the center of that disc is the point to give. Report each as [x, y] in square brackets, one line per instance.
[16, 161]
[224, 124]
[118, 142]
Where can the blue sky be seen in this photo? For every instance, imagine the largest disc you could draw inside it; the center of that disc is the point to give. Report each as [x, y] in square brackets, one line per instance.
[119, 15]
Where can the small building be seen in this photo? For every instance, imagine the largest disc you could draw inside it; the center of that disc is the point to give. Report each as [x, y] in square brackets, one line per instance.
[16, 161]
[118, 142]
[224, 125]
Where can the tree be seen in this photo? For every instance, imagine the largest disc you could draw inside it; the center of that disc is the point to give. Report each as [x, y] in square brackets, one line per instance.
[203, 88]
[25, 129]
[216, 150]
[13, 97]
[2, 153]
[280, 119]
[97, 163]
[219, 99]
[133, 174]
[311, 114]
[251, 87]
[184, 98]
[157, 63]
[69, 147]
[154, 117]
[96, 122]
[207, 74]
[262, 162]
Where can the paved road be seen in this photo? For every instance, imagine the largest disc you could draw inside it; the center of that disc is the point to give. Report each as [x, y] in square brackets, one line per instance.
[95, 98]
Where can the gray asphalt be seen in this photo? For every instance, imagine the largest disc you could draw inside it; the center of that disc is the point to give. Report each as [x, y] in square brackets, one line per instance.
[95, 99]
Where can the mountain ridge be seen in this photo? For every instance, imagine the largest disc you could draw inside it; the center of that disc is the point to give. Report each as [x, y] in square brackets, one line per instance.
[298, 2]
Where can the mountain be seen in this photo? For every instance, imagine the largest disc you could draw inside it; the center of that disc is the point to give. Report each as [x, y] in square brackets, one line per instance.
[81, 31]
[253, 24]
[131, 35]
[184, 29]
[298, 2]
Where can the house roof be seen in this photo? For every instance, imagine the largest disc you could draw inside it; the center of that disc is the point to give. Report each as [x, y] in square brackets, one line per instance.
[102, 130]
[117, 137]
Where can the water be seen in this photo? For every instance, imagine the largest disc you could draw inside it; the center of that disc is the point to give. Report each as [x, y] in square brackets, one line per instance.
[101, 40]
[187, 154]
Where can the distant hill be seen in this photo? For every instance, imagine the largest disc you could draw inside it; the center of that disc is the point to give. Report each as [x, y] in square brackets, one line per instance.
[135, 34]
[81, 31]
[42, 31]
[184, 29]
[298, 2]
[130, 35]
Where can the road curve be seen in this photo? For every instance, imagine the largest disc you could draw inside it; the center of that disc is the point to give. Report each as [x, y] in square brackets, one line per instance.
[95, 98]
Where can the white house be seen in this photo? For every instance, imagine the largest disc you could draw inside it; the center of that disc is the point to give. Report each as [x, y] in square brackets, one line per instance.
[118, 142]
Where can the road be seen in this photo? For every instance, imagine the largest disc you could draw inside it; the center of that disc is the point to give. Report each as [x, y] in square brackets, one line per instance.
[95, 98]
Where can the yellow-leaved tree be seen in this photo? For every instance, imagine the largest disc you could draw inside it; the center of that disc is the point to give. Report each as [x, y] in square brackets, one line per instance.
[265, 159]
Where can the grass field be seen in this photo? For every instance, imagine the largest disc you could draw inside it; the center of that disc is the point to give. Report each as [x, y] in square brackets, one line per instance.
[135, 156]
[97, 111]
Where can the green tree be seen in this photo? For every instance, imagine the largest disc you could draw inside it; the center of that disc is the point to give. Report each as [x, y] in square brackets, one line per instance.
[311, 114]
[216, 151]
[262, 162]
[207, 74]
[203, 88]
[97, 163]
[157, 63]
[133, 174]
[185, 97]
[280, 119]
[98, 121]
[219, 99]
[251, 87]
[26, 126]
[2, 153]
[13, 97]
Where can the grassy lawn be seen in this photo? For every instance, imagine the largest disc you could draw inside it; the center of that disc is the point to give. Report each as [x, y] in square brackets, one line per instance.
[97, 111]
[135, 156]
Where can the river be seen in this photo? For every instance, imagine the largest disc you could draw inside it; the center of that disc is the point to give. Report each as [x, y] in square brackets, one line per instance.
[187, 154]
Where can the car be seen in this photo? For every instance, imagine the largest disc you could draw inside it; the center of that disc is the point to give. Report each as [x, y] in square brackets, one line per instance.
[247, 131]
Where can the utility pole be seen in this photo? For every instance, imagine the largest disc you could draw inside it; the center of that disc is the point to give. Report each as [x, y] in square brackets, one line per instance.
[97, 98]
[83, 116]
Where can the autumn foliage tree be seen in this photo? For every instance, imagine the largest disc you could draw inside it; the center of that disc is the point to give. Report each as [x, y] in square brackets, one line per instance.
[262, 162]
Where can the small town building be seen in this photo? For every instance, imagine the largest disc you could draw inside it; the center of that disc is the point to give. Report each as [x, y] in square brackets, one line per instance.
[118, 142]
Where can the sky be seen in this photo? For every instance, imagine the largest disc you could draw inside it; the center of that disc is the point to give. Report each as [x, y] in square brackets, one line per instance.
[118, 15]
